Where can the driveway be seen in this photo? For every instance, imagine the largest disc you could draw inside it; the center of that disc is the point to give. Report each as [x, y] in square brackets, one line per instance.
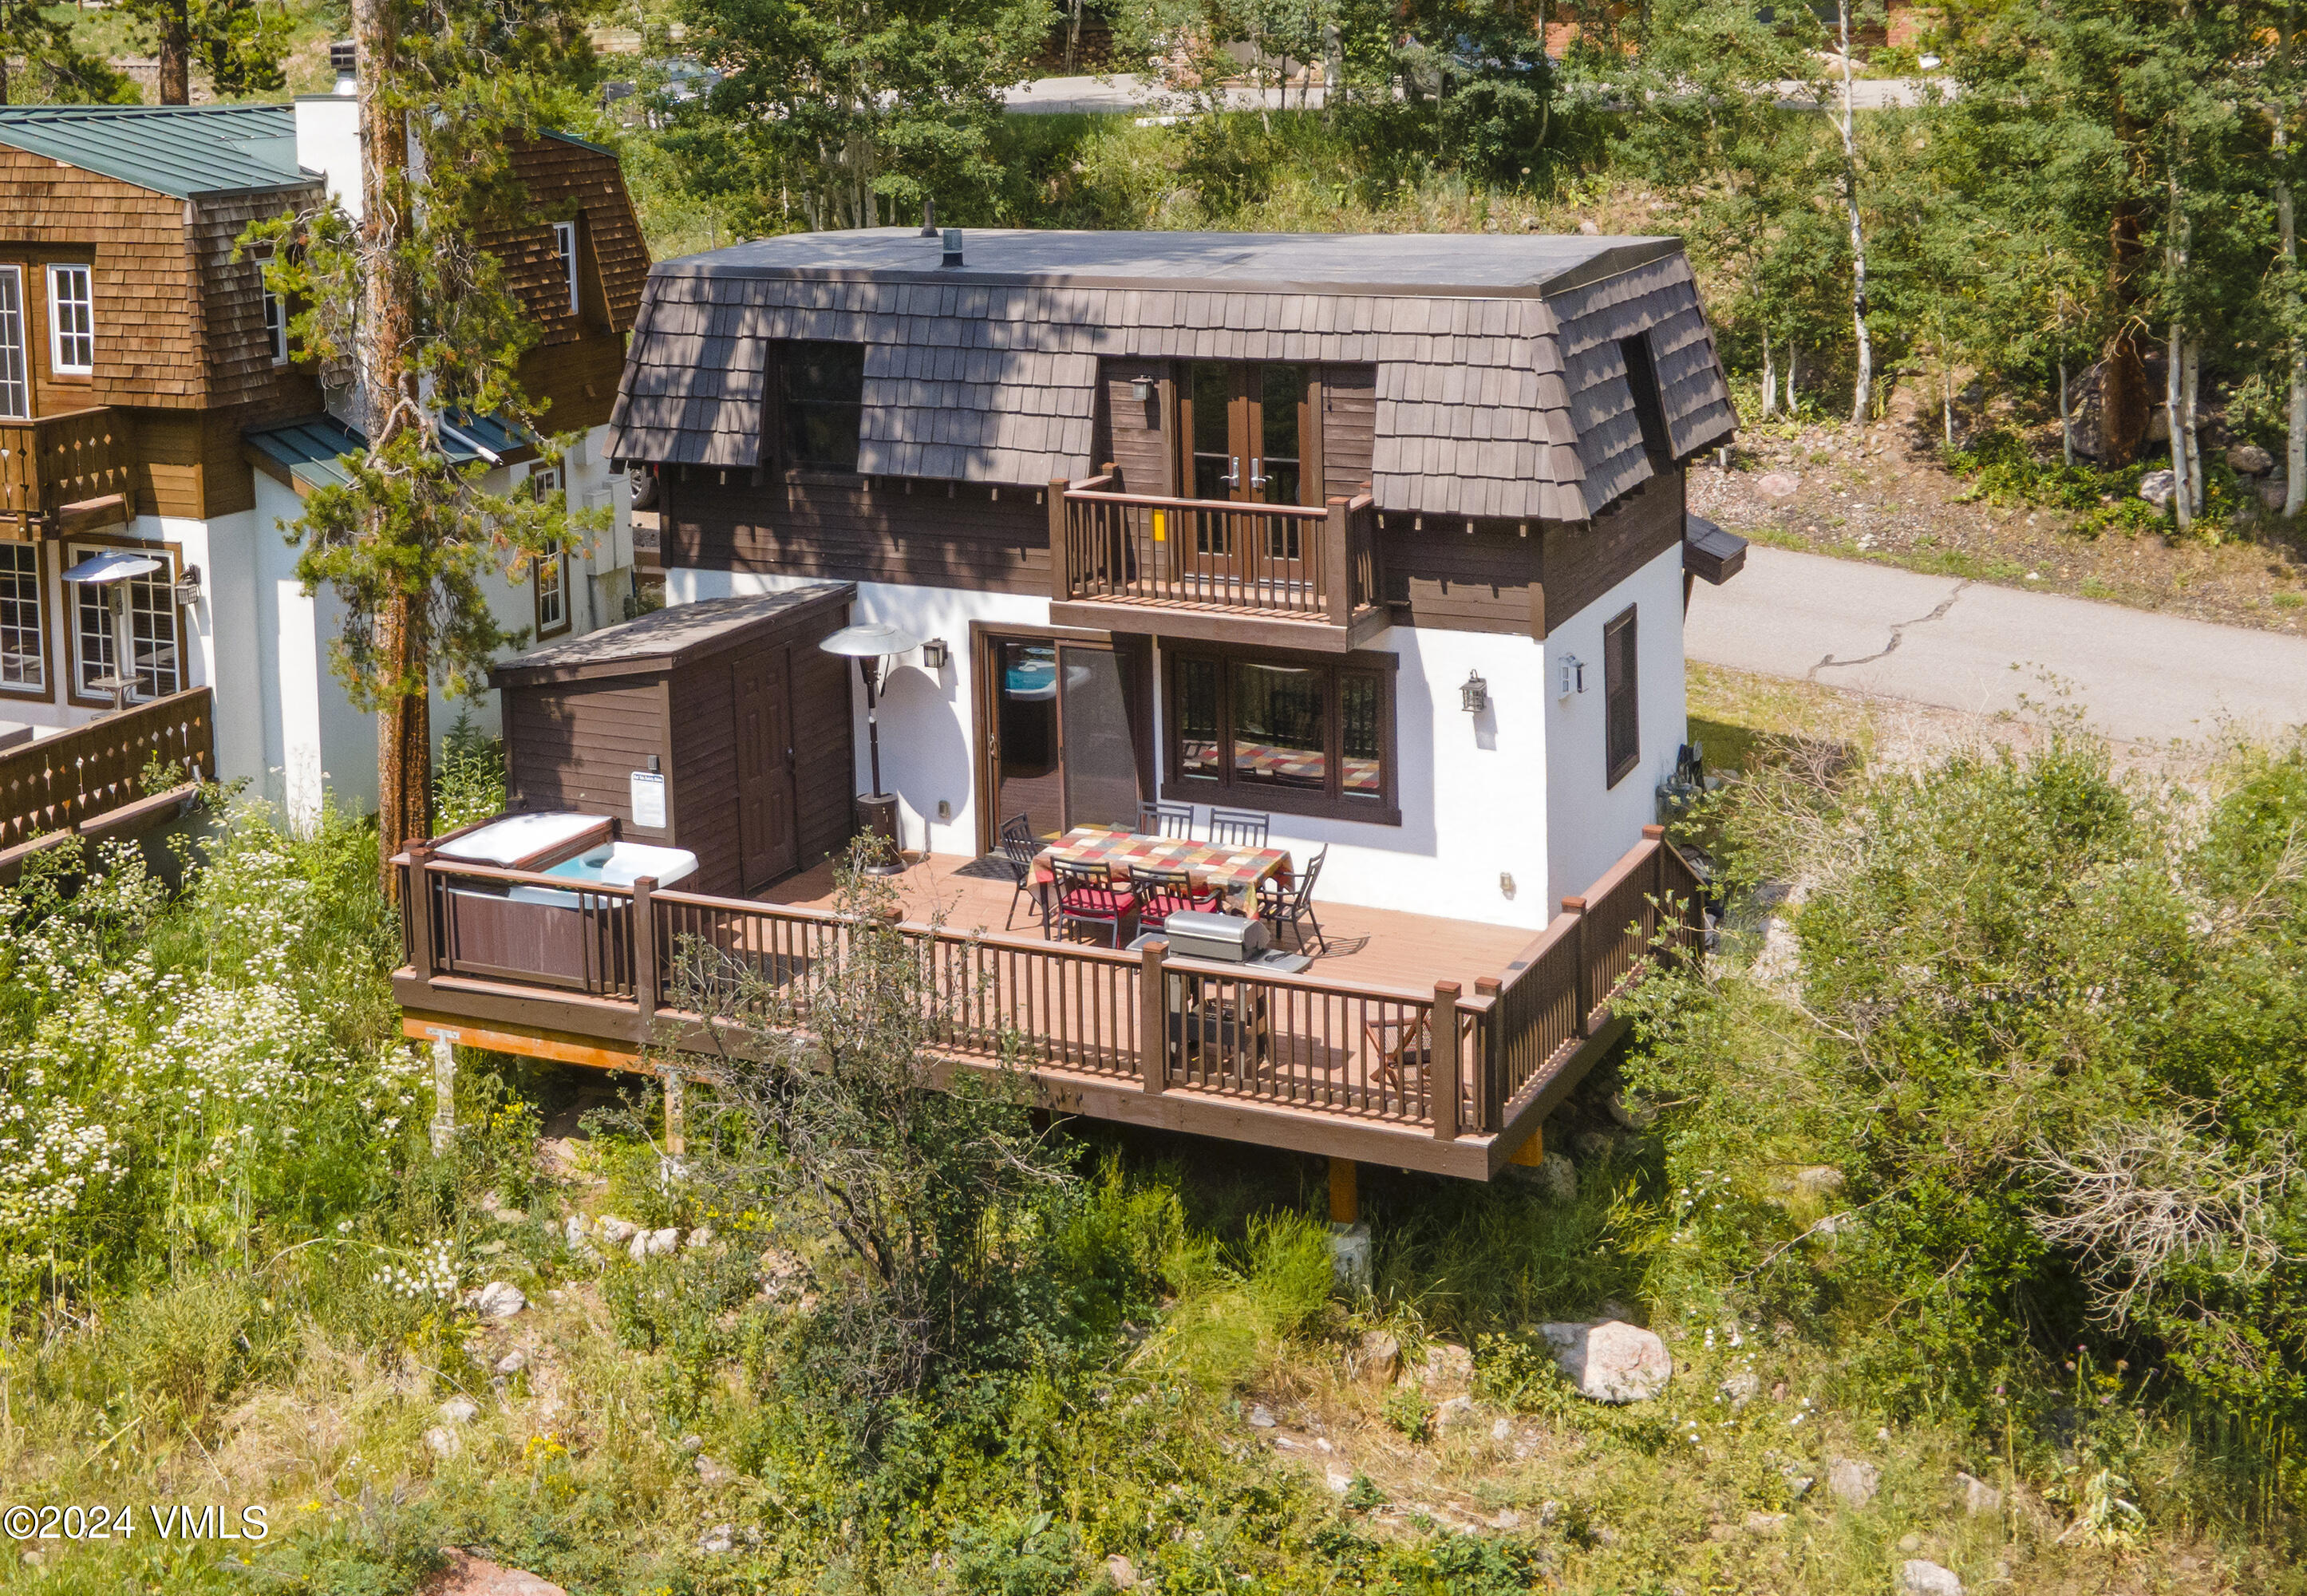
[2138, 676]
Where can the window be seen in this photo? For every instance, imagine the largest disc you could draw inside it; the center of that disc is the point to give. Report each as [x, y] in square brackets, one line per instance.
[1621, 713]
[1252, 433]
[15, 391]
[1650, 410]
[820, 405]
[276, 326]
[71, 322]
[151, 602]
[552, 570]
[23, 639]
[564, 244]
[1290, 733]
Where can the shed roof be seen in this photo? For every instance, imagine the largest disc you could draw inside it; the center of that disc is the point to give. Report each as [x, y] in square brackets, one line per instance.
[178, 150]
[667, 638]
[1501, 391]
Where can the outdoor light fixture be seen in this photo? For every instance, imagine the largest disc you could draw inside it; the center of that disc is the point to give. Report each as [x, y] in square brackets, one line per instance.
[188, 585]
[1141, 389]
[1475, 695]
[935, 654]
[1574, 674]
[871, 646]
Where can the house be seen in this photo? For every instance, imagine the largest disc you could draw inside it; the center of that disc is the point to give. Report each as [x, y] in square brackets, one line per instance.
[148, 403]
[1382, 537]
[1379, 541]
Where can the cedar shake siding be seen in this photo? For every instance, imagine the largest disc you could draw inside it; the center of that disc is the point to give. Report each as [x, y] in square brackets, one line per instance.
[1499, 389]
[580, 353]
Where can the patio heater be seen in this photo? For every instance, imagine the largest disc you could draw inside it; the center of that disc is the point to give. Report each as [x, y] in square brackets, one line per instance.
[112, 571]
[873, 646]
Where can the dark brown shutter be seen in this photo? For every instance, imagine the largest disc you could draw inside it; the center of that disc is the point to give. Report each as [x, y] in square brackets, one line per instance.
[1620, 710]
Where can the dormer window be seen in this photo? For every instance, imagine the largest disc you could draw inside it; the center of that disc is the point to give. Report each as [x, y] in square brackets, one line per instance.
[564, 244]
[71, 322]
[276, 317]
[820, 405]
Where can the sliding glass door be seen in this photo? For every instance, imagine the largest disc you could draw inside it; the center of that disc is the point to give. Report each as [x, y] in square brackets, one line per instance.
[1059, 731]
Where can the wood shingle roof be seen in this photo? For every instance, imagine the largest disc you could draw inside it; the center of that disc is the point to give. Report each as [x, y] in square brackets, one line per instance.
[1501, 388]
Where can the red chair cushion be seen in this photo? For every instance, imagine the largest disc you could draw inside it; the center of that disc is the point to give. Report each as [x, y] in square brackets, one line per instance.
[1093, 900]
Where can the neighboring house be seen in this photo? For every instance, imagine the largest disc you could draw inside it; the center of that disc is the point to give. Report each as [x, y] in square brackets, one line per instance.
[1383, 537]
[148, 401]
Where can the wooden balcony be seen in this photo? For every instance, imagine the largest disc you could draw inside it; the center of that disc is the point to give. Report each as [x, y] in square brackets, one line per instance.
[68, 472]
[1339, 1060]
[89, 782]
[1285, 574]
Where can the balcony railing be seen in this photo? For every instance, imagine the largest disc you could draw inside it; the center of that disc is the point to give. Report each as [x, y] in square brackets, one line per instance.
[64, 459]
[1331, 1063]
[1286, 562]
[89, 781]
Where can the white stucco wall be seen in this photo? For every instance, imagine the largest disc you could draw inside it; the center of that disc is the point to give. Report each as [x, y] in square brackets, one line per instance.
[1591, 823]
[1479, 833]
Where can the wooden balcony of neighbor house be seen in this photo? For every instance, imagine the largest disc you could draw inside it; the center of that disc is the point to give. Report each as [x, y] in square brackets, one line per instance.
[1341, 1060]
[90, 782]
[1287, 574]
[69, 472]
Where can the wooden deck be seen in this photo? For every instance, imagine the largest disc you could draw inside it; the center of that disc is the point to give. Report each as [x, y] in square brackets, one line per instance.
[1419, 1042]
[1381, 945]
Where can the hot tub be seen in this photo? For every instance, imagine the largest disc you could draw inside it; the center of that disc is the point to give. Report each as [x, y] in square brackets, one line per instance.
[612, 864]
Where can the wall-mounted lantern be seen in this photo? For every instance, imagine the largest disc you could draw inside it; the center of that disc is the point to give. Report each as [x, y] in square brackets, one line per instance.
[188, 585]
[1474, 696]
[1574, 674]
[935, 654]
[1141, 389]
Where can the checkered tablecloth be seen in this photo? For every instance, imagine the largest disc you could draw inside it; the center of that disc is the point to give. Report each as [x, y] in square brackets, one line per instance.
[1285, 767]
[1234, 873]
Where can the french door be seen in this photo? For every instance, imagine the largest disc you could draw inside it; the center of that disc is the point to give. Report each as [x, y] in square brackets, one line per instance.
[1252, 433]
[1057, 722]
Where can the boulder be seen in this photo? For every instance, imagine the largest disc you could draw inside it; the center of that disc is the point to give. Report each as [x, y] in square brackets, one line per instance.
[2158, 424]
[1558, 1178]
[1612, 1361]
[1980, 1499]
[1741, 1387]
[1819, 1181]
[1854, 1483]
[1261, 1417]
[465, 1575]
[1378, 1359]
[460, 1409]
[1918, 1576]
[444, 1442]
[1631, 1112]
[1505, 1518]
[702, 1236]
[1777, 487]
[2249, 459]
[1502, 1431]
[499, 1299]
[2158, 486]
[1596, 1146]
[1768, 1525]
[512, 1362]
[1455, 1413]
[1120, 1573]
[660, 1242]
[1448, 1367]
[616, 1233]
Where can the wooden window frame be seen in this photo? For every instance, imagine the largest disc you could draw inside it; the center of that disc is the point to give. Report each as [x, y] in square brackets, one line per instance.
[56, 334]
[173, 553]
[1620, 763]
[1249, 398]
[1331, 802]
[564, 250]
[983, 637]
[772, 419]
[557, 561]
[46, 693]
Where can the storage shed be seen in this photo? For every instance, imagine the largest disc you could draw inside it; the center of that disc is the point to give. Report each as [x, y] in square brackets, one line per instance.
[719, 728]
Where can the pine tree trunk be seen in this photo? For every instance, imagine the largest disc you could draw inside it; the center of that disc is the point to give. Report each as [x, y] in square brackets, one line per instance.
[388, 319]
[176, 53]
[1863, 394]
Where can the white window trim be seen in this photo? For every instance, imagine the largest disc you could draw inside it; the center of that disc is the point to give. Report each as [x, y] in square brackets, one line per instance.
[23, 349]
[40, 688]
[56, 362]
[274, 312]
[564, 244]
[75, 592]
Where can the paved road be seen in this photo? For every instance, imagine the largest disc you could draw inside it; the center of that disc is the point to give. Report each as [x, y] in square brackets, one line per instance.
[2141, 677]
[1129, 91]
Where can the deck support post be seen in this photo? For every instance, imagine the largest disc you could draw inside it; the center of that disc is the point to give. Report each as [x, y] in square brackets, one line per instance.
[1579, 982]
[418, 893]
[444, 1094]
[1345, 1194]
[676, 1142]
[1442, 1048]
[1337, 565]
[645, 949]
[1153, 1015]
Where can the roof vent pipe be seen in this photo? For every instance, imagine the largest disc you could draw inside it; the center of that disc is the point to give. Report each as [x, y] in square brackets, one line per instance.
[341, 61]
[952, 247]
[928, 218]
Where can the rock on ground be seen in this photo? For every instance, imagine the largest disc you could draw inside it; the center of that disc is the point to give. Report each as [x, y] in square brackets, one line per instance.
[1819, 1181]
[717, 1539]
[1769, 1525]
[1447, 1366]
[1457, 1410]
[1378, 1359]
[1741, 1387]
[2249, 459]
[444, 1441]
[1779, 485]
[1980, 1499]
[499, 1299]
[1854, 1483]
[2156, 487]
[467, 1575]
[616, 1233]
[1120, 1573]
[1261, 1417]
[460, 1409]
[512, 1362]
[1918, 1576]
[1612, 1361]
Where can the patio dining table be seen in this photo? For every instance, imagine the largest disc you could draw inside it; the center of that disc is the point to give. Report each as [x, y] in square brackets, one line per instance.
[1233, 874]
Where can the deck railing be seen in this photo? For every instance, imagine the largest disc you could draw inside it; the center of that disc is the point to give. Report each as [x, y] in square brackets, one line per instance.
[1439, 1062]
[1296, 562]
[66, 459]
[78, 778]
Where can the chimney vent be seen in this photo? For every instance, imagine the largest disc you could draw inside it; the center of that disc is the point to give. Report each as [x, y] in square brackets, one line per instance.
[928, 218]
[341, 61]
[952, 247]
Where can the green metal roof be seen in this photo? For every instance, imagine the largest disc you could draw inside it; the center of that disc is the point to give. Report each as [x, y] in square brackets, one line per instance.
[312, 448]
[179, 150]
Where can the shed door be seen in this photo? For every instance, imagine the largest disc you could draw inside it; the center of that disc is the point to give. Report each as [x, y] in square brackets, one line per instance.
[766, 844]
